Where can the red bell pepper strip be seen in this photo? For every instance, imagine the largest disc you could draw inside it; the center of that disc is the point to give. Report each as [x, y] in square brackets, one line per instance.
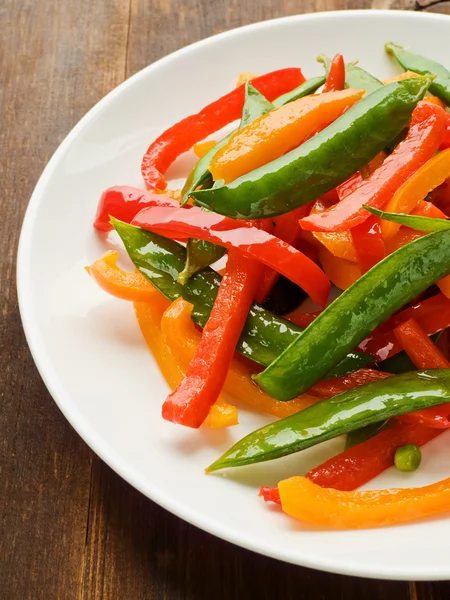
[432, 314]
[423, 139]
[288, 230]
[249, 240]
[368, 242]
[336, 75]
[183, 135]
[361, 463]
[190, 403]
[330, 387]
[124, 202]
[349, 185]
[428, 209]
[425, 355]
[446, 138]
[302, 318]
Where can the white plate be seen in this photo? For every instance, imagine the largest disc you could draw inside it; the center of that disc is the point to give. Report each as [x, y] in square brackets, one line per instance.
[88, 347]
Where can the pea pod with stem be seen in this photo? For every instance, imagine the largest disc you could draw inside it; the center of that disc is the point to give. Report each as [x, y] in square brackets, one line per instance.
[355, 77]
[426, 224]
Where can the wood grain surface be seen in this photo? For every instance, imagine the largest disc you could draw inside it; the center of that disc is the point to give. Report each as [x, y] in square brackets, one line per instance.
[71, 529]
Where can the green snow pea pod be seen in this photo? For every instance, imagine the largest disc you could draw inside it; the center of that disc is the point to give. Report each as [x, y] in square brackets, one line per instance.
[355, 77]
[426, 224]
[322, 162]
[348, 411]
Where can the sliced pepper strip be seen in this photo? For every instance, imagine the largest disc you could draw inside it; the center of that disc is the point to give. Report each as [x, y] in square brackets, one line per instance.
[424, 354]
[275, 133]
[250, 241]
[124, 202]
[183, 135]
[423, 139]
[368, 243]
[340, 244]
[428, 209]
[149, 316]
[182, 337]
[190, 403]
[336, 75]
[309, 502]
[341, 272]
[432, 174]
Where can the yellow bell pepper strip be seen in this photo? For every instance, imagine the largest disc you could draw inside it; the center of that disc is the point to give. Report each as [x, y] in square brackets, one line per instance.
[306, 501]
[120, 283]
[340, 244]
[279, 131]
[341, 272]
[202, 148]
[245, 77]
[149, 315]
[424, 137]
[432, 174]
[183, 338]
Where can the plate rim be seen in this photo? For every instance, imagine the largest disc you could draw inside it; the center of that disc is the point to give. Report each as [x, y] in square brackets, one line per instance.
[63, 400]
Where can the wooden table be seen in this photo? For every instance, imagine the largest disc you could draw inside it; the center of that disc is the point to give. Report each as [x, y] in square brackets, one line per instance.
[70, 527]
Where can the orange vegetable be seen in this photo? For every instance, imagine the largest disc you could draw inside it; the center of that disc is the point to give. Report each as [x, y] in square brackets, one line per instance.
[202, 148]
[328, 507]
[340, 244]
[182, 337]
[444, 285]
[429, 176]
[277, 132]
[341, 272]
[119, 283]
[245, 77]
[149, 316]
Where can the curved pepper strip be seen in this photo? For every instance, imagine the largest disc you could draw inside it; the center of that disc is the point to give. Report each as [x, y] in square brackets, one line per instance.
[124, 202]
[336, 75]
[272, 135]
[425, 208]
[306, 501]
[183, 135]
[341, 272]
[190, 403]
[339, 244]
[423, 139]
[432, 174]
[182, 337]
[368, 243]
[252, 242]
[424, 354]
[149, 314]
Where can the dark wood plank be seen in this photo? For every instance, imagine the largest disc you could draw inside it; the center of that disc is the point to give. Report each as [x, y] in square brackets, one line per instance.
[56, 60]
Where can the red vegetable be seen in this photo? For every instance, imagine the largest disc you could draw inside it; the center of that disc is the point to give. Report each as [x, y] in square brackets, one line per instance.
[446, 138]
[249, 240]
[183, 135]
[124, 202]
[330, 387]
[423, 139]
[368, 242]
[336, 75]
[190, 403]
[349, 185]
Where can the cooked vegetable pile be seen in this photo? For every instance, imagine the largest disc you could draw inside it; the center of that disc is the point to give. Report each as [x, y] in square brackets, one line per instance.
[340, 179]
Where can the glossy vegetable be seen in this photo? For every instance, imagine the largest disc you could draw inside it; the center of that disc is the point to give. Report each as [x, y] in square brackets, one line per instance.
[416, 222]
[291, 181]
[359, 79]
[368, 242]
[251, 241]
[423, 139]
[308, 502]
[336, 75]
[265, 335]
[408, 458]
[340, 414]
[383, 290]
[419, 64]
[365, 433]
[183, 135]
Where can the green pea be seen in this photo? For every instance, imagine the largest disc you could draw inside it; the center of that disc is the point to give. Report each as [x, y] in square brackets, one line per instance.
[408, 458]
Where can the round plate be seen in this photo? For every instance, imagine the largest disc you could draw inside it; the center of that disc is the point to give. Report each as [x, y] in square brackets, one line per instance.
[88, 347]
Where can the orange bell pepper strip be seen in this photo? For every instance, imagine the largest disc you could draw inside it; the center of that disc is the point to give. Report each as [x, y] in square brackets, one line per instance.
[202, 148]
[149, 315]
[278, 131]
[425, 355]
[339, 271]
[423, 139]
[336, 75]
[432, 174]
[119, 283]
[183, 338]
[306, 501]
[444, 286]
[340, 244]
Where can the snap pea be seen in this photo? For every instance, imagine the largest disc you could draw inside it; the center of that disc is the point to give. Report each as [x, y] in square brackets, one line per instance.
[426, 224]
[264, 336]
[365, 433]
[329, 418]
[378, 294]
[424, 66]
[322, 162]
[305, 89]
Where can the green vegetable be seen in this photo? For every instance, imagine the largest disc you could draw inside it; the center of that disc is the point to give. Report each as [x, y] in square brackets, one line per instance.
[424, 66]
[322, 162]
[329, 418]
[427, 224]
[255, 105]
[365, 433]
[355, 77]
[159, 259]
[305, 89]
[408, 458]
[199, 254]
[379, 293]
